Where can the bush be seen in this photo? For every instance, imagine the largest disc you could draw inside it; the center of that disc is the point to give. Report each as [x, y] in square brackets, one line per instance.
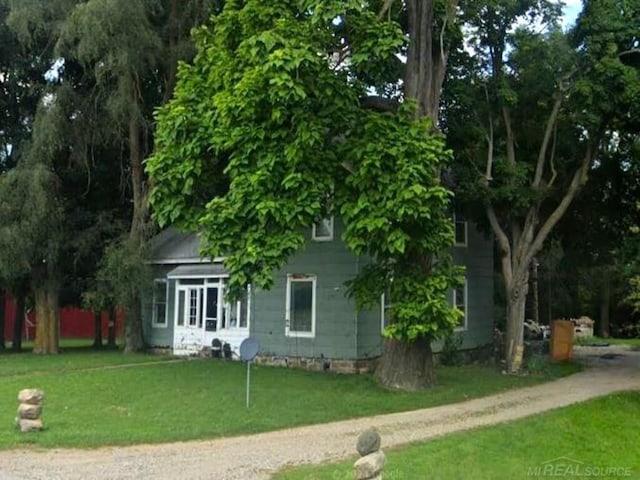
[450, 354]
[537, 364]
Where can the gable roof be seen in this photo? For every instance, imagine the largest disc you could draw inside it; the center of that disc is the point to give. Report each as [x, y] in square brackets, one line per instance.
[174, 246]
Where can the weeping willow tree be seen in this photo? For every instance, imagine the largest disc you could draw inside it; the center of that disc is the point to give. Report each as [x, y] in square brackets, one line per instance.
[31, 223]
[117, 59]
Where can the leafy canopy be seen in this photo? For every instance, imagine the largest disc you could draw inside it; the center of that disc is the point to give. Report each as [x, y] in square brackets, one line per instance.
[267, 134]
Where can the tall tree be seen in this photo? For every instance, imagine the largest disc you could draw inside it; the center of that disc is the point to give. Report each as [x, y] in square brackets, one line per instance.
[115, 61]
[30, 236]
[274, 126]
[529, 121]
[595, 233]
[134, 70]
[21, 85]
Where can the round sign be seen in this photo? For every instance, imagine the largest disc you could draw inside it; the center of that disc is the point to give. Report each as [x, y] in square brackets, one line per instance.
[249, 349]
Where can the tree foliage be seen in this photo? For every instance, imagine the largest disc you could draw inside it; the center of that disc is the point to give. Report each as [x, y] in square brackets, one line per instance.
[106, 65]
[268, 132]
[531, 119]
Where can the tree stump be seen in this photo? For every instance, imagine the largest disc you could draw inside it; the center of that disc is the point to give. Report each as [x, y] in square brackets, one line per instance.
[29, 410]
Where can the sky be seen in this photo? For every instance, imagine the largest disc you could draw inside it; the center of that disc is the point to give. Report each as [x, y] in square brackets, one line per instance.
[571, 10]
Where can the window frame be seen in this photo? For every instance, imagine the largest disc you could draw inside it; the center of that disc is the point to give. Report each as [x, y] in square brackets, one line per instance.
[299, 278]
[463, 221]
[154, 302]
[314, 231]
[465, 304]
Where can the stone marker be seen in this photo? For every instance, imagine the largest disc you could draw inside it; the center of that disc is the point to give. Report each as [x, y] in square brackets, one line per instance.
[29, 410]
[32, 396]
[371, 463]
[368, 442]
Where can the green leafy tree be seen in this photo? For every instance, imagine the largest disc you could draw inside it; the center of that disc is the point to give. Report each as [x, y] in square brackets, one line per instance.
[529, 121]
[134, 71]
[274, 126]
[21, 85]
[30, 237]
[597, 236]
[632, 266]
[114, 61]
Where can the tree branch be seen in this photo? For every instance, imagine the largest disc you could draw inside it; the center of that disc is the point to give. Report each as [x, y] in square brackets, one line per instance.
[385, 8]
[629, 52]
[489, 142]
[380, 104]
[530, 223]
[542, 154]
[552, 164]
[579, 179]
[503, 242]
[510, 141]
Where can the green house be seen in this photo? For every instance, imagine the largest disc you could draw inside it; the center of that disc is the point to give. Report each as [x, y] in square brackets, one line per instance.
[305, 319]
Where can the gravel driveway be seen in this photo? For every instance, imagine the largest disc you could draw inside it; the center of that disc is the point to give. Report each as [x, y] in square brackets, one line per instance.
[256, 457]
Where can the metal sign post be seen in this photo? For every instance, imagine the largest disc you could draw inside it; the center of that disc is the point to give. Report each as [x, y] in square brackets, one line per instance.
[248, 350]
[248, 381]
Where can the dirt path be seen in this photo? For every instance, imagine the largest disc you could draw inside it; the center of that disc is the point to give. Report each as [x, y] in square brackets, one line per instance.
[256, 457]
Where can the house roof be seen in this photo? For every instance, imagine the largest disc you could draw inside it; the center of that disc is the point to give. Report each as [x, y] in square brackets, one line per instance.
[173, 246]
[198, 271]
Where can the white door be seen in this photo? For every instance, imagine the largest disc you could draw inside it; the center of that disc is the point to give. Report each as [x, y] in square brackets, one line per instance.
[189, 327]
[214, 317]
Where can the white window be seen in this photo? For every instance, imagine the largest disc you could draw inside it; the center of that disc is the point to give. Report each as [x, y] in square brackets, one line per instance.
[323, 230]
[239, 314]
[460, 229]
[460, 302]
[300, 309]
[159, 313]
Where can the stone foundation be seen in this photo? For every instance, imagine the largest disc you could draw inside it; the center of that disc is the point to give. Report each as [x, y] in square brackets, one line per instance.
[159, 350]
[336, 365]
[483, 354]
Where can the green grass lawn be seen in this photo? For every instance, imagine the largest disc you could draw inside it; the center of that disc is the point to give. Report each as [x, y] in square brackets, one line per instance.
[634, 342]
[592, 437]
[160, 401]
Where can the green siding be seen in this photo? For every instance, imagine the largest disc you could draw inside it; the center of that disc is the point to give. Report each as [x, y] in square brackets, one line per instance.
[477, 257]
[335, 335]
[158, 337]
[369, 333]
[341, 332]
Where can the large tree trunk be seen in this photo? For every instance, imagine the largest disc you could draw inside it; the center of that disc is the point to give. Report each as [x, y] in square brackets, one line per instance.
[47, 339]
[604, 327]
[97, 329]
[19, 295]
[111, 329]
[406, 366]
[133, 340]
[426, 56]
[3, 294]
[535, 296]
[133, 333]
[410, 365]
[514, 338]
